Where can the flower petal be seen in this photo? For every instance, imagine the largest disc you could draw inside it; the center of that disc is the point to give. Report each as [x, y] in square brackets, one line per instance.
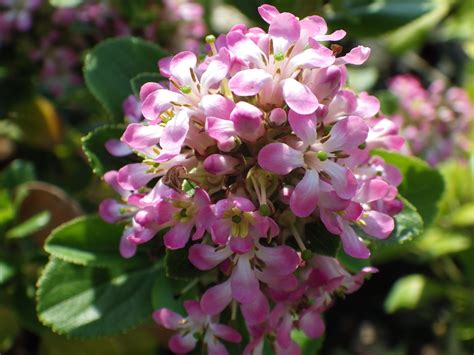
[280, 158]
[243, 282]
[304, 126]
[249, 82]
[304, 198]
[299, 97]
[216, 298]
[378, 225]
[352, 244]
[178, 236]
[312, 324]
[206, 257]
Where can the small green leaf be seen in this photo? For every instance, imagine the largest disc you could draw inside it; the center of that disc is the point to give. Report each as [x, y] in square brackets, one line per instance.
[405, 293]
[90, 241]
[65, 3]
[363, 78]
[421, 185]
[178, 266]
[143, 78]
[308, 345]
[437, 242]
[7, 271]
[30, 226]
[463, 216]
[16, 173]
[320, 240]
[110, 66]
[99, 158]
[7, 211]
[88, 302]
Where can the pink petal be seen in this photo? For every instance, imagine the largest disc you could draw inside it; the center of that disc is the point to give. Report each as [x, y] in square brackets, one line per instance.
[299, 97]
[280, 158]
[257, 311]
[304, 126]
[182, 344]
[342, 179]
[335, 36]
[147, 89]
[378, 225]
[220, 232]
[372, 190]
[249, 82]
[180, 66]
[193, 309]
[117, 148]
[222, 131]
[216, 298]
[311, 58]
[159, 101]
[215, 347]
[205, 257]
[284, 30]
[126, 248]
[241, 245]
[277, 116]
[283, 334]
[134, 176]
[367, 106]
[139, 136]
[225, 332]
[167, 318]
[352, 244]
[357, 56]
[220, 164]
[178, 236]
[244, 284]
[216, 71]
[268, 13]
[347, 134]
[279, 260]
[175, 133]
[304, 198]
[216, 106]
[248, 121]
[312, 324]
[244, 48]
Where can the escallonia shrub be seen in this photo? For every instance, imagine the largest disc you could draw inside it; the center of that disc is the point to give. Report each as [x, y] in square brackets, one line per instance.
[244, 158]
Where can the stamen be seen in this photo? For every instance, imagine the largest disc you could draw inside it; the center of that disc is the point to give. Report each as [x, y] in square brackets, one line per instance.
[297, 237]
[211, 40]
[322, 155]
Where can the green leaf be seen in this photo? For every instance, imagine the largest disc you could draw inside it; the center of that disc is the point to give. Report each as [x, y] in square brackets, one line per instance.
[421, 185]
[109, 67]
[412, 34]
[165, 293]
[320, 240]
[137, 81]
[7, 211]
[99, 158]
[438, 242]
[88, 302]
[90, 241]
[362, 79]
[405, 293]
[65, 3]
[7, 271]
[408, 225]
[16, 173]
[463, 216]
[177, 265]
[368, 18]
[30, 226]
[308, 345]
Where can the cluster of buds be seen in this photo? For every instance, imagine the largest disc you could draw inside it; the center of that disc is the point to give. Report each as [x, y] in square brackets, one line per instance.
[61, 35]
[242, 154]
[435, 121]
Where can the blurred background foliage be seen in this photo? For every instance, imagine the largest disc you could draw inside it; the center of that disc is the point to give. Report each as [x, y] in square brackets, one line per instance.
[421, 301]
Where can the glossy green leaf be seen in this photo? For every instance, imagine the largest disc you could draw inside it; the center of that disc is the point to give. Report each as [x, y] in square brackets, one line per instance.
[178, 265]
[408, 225]
[16, 173]
[405, 293]
[367, 18]
[88, 302]
[99, 158]
[320, 240]
[30, 226]
[110, 66]
[352, 264]
[90, 241]
[421, 185]
[137, 81]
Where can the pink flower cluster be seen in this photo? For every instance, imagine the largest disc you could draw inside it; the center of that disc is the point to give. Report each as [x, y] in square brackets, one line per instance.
[16, 15]
[434, 121]
[240, 153]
